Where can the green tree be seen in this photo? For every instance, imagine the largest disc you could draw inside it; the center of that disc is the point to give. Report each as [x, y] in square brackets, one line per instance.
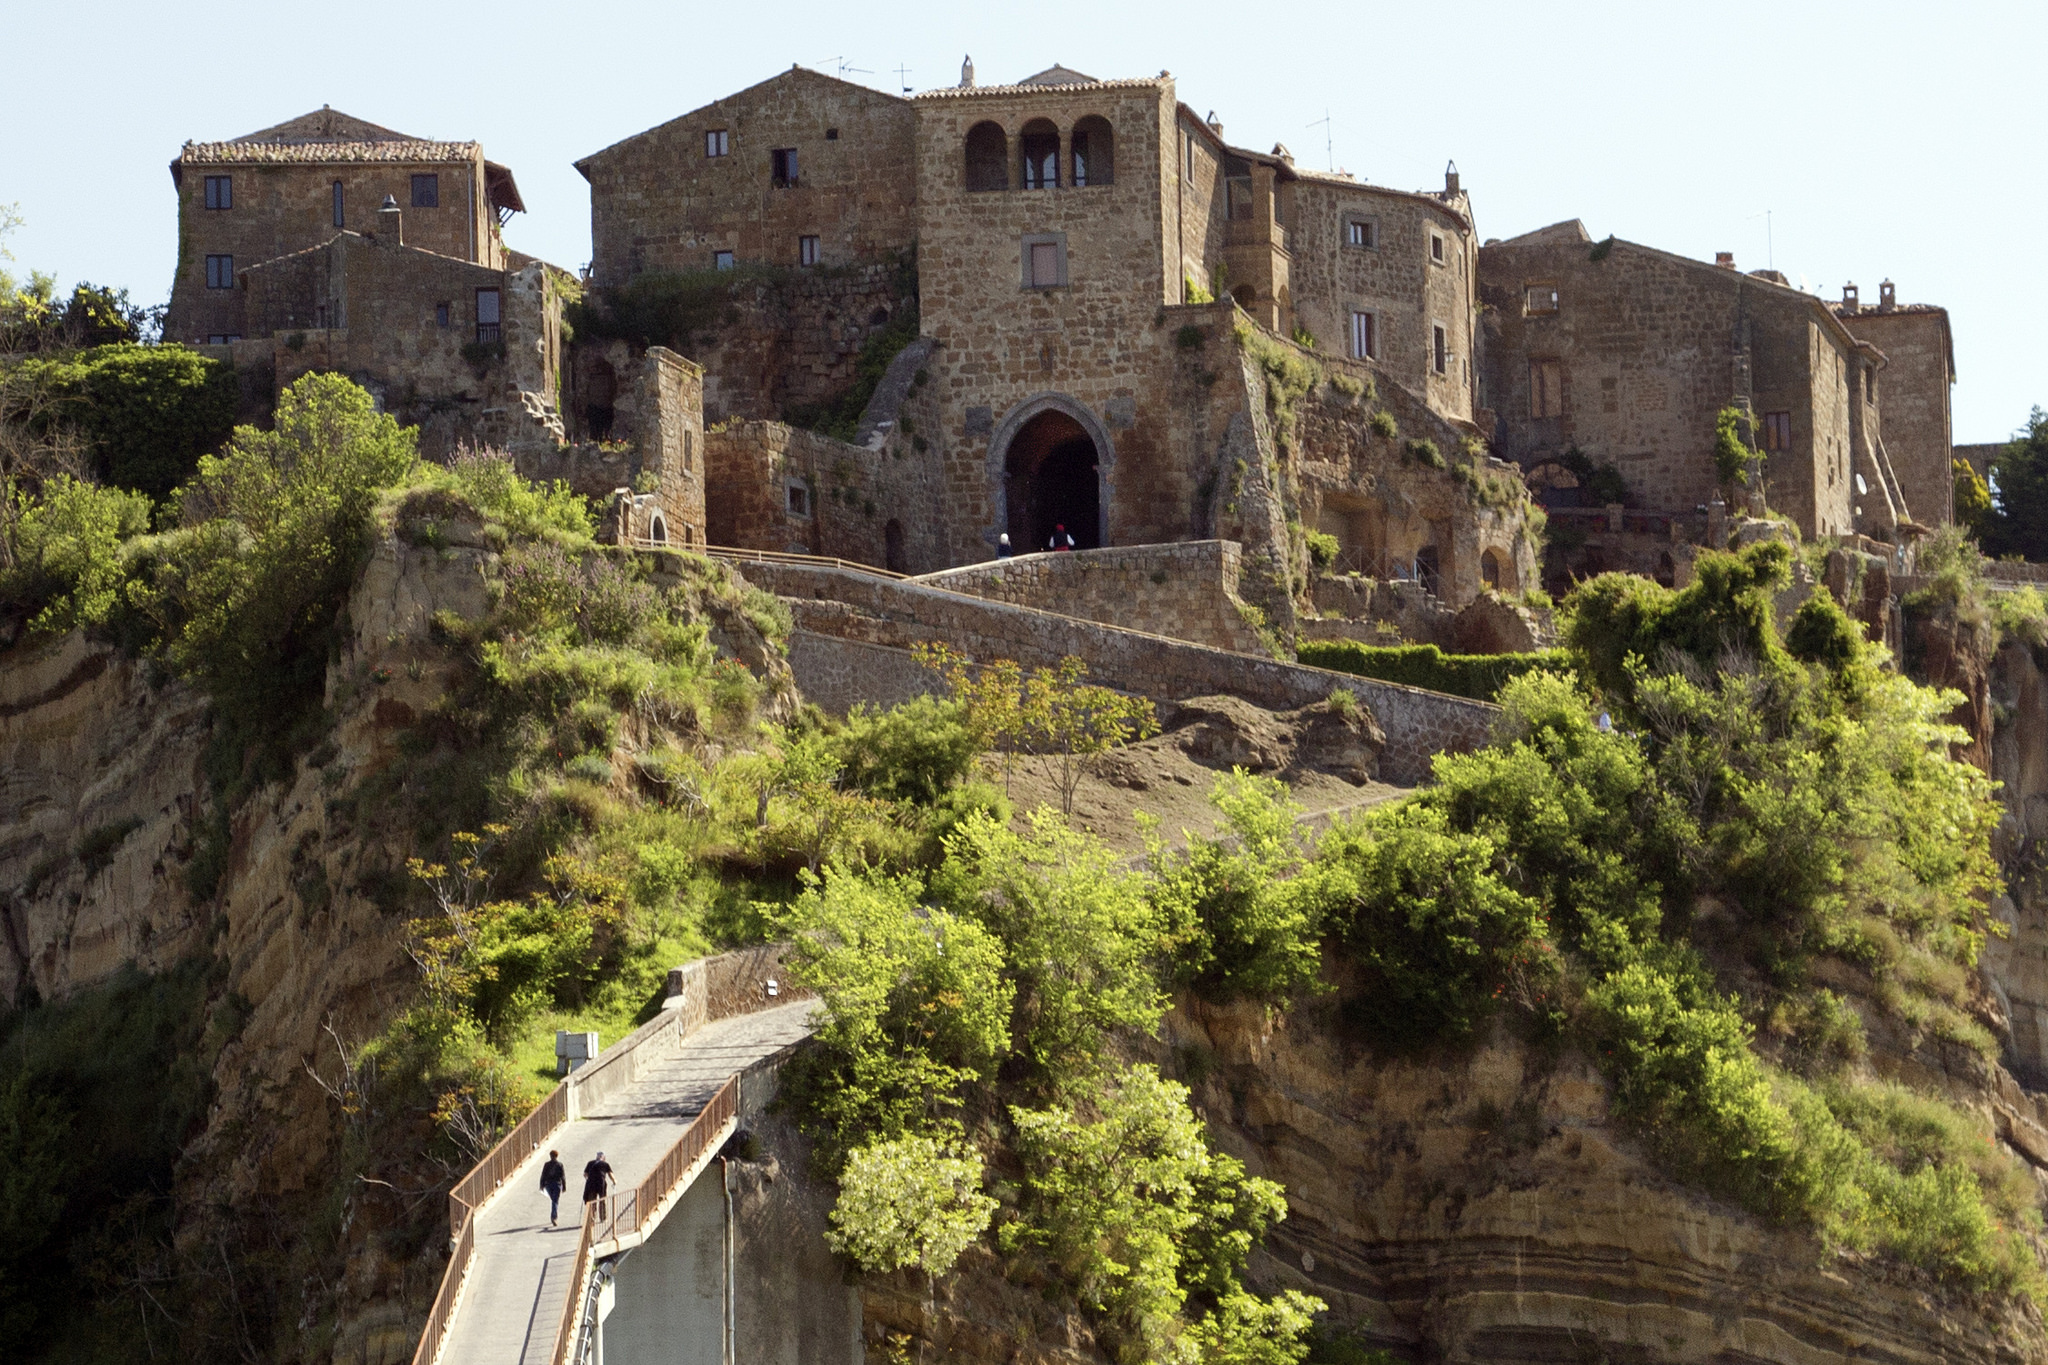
[1972, 501]
[909, 1201]
[2019, 474]
[916, 1010]
[273, 531]
[60, 551]
[146, 413]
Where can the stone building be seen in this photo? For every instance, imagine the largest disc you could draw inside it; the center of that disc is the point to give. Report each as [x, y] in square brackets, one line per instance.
[286, 188]
[1618, 357]
[1913, 390]
[1070, 369]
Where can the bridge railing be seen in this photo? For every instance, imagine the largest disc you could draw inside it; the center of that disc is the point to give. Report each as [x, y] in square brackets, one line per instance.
[738, 982]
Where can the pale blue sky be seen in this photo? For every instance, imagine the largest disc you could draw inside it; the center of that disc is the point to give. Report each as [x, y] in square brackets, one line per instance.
[1884, 139]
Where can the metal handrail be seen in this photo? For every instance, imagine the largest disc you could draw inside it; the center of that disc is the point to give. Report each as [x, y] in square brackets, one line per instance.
[451, 1288]
[785, 557]
[627, 1213]
[502, 1160]
[572, 1308]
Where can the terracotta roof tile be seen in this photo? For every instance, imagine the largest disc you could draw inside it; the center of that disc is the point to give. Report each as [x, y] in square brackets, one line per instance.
[315, 153]
[951, 92]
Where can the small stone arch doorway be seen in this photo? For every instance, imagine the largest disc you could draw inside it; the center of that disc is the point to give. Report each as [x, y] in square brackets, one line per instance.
[1052, 477]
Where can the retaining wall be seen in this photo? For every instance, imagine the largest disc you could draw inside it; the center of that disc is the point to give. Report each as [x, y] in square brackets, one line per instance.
[854, 630]
[1186, 590]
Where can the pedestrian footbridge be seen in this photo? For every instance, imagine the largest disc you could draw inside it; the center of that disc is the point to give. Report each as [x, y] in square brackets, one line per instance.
[659, 1104]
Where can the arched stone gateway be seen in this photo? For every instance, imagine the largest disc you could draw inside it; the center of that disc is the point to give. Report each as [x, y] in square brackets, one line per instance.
[1052, 461]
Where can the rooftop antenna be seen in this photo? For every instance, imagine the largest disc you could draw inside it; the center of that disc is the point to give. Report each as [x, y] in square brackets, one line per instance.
[1329, 147]
[903, 78]
[843, 68]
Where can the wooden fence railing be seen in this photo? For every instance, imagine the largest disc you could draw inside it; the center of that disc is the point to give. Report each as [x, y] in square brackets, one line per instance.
[451, 1286]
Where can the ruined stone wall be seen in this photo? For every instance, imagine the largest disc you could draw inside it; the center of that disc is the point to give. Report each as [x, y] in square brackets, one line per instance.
[1387, 506]
[851, 496]
[1187, 591]
[282, 208]
[659, 203]
[1395, 279]
[854, 630]
[1913, 394]
[382, 302]
[1649, 348]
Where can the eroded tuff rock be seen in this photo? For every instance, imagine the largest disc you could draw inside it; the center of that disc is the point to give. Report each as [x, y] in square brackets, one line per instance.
[1487, 1207]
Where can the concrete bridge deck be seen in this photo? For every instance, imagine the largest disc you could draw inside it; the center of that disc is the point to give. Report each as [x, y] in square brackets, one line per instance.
[513, 1295]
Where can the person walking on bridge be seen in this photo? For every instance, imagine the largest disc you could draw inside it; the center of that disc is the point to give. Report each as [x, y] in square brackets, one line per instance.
[597, 1181]
[553, 1180]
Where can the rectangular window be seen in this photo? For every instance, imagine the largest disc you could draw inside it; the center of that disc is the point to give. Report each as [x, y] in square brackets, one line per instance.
[1439, 350]
[687, 451]
[426, 191]
[487, 315]
[721, 260]
[807, 251]
[1436, 248]
[799, 499]
[1365, 336]
[783, 165]
[717, 142]
[338, 216]
[1546, 388]
[1043, 265]
[1539, 298]
[441, 311]
[1361, 232]
[1777, 431]
[220, 272]
[220, 192]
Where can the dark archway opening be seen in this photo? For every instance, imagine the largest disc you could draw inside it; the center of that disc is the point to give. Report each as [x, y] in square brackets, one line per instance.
[601, 393]
[892, 547]
[1052, 478]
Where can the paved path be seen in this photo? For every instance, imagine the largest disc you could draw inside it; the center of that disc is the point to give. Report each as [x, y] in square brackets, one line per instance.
[516, 1286]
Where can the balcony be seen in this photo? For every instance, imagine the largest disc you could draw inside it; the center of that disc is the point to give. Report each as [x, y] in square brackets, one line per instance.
[488, 333]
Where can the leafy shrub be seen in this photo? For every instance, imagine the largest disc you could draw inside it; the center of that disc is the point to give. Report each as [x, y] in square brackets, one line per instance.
[1425, 453]
[913, 752]
[526, 510]
[1732, 453]
[1423, 911]
[147, 413]
[910, 1201]
[64, 565]
[1349, 386]
[1248, 925]
[1323, 549]
[1479, 676]
[1384, 426]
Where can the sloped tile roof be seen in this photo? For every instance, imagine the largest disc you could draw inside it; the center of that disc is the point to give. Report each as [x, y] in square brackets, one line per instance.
[314, 153]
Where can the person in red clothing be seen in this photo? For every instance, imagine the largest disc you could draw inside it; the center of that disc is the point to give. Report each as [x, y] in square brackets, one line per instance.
[1060, 539]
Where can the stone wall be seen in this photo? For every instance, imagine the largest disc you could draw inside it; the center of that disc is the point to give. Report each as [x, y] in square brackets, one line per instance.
[1913, 392]
[1187, 591]
[284, 206]
[1649, 347]
[1396, 279]
[859, 627]
[776, 487]
[371, 309]
[662, 443]
[659, 203]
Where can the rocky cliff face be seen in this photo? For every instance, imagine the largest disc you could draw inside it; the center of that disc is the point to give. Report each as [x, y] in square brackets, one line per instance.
[1487, 1207]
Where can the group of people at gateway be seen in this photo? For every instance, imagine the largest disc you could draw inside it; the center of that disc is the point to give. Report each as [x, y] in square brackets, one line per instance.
[597, 1184]
[1061, 539]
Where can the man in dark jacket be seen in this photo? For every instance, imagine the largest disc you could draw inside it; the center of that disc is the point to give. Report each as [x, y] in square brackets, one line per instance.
[597, 1180]
[553, 1180]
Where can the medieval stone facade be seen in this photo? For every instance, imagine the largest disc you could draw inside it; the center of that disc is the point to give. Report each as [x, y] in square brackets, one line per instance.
[293, 186]
[1913, 390]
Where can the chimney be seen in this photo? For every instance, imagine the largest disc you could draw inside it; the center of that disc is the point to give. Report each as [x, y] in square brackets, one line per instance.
[1887, 297]
[1450, 177]
[1215, 125]
[1849, 300]
[1725, 259]
[967, 73]
[390, 226]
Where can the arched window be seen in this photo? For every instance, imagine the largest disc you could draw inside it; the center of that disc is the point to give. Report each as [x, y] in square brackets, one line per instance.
[657, 529]
[988, 157]
[1039, 147]
[1094, 152]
